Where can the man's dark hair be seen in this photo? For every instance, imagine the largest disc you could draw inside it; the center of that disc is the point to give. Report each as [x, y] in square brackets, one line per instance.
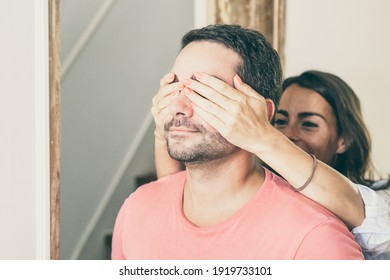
[260, 67]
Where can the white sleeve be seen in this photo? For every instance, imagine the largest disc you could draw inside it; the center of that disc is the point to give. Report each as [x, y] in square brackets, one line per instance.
[373, 235]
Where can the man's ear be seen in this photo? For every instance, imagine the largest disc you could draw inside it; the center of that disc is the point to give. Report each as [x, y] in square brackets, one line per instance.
[342, 145]
[270, 109]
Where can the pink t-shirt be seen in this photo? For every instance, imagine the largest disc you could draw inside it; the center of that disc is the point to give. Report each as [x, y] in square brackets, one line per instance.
[277, 223]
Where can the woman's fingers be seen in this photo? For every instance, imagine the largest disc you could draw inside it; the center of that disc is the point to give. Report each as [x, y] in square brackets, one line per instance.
[164, 91]
[167, 79]
[160, 102]
[245, 88]
[167, 86]
[237, 92]
[218, 85]
[208, 92]
[210, 118]
[206, 105]
[221, 93]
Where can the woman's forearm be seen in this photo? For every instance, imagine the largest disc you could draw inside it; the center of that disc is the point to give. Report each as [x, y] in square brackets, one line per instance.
[328, 187]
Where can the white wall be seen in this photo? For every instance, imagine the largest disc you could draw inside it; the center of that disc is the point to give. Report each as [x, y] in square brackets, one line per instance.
[24, 139]
[351, 39]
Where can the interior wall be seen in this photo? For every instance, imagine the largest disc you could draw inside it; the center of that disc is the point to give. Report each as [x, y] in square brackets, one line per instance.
[106, 98]
[352, 40]
[24, 126]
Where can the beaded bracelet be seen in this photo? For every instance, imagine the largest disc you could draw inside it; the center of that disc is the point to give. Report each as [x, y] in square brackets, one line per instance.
[315, 162]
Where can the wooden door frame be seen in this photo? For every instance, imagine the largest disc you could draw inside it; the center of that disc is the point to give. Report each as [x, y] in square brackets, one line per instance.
[266, 16]
[55, 126]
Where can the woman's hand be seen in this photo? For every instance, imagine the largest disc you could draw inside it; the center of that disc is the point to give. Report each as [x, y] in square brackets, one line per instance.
[167, 91]
[239, 114]
[169, 88]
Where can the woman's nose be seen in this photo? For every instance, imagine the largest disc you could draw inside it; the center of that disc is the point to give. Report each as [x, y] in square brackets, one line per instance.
[291, 132]
[181, 106]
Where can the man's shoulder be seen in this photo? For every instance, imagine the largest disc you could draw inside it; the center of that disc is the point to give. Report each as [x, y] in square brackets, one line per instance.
[155, 195]
[297, 202]
[312, 224]
[161, 187]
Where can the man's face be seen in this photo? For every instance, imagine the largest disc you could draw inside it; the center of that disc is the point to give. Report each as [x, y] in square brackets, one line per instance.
[189, 138]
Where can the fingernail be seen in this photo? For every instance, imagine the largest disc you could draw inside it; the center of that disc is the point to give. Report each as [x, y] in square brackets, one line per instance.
[180, 86]
[176, 92]
[171, 76]
[238, 79]
[187, 82]
[187, 91]
[198, 75]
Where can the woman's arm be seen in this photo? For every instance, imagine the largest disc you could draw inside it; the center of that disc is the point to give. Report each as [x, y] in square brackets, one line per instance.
[328, 187]
[242, 116]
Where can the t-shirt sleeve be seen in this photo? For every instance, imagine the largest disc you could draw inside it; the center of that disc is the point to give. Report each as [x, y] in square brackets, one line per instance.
[117, 237]
[329, 240]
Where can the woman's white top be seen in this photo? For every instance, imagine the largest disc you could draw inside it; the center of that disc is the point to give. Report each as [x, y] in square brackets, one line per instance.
[373, 235]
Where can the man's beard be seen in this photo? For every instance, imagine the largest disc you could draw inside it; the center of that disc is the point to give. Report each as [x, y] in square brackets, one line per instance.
[209, 146]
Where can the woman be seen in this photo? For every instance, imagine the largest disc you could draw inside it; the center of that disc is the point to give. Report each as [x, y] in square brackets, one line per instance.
[318, 114]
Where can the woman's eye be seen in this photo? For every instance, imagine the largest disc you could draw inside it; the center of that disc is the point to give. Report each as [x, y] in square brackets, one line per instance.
[280, 122]
[309, 124]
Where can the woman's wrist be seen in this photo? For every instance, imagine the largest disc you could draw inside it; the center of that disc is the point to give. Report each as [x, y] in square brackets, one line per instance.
[159, 135]
[268, 141]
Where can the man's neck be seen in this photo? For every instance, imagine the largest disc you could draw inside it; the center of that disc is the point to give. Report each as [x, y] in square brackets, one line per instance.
[216, 190]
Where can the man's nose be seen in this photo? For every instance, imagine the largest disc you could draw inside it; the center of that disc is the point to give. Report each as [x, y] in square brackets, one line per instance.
[181, 105]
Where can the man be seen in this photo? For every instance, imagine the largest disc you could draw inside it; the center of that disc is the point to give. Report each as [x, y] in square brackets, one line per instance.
[223, 206]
